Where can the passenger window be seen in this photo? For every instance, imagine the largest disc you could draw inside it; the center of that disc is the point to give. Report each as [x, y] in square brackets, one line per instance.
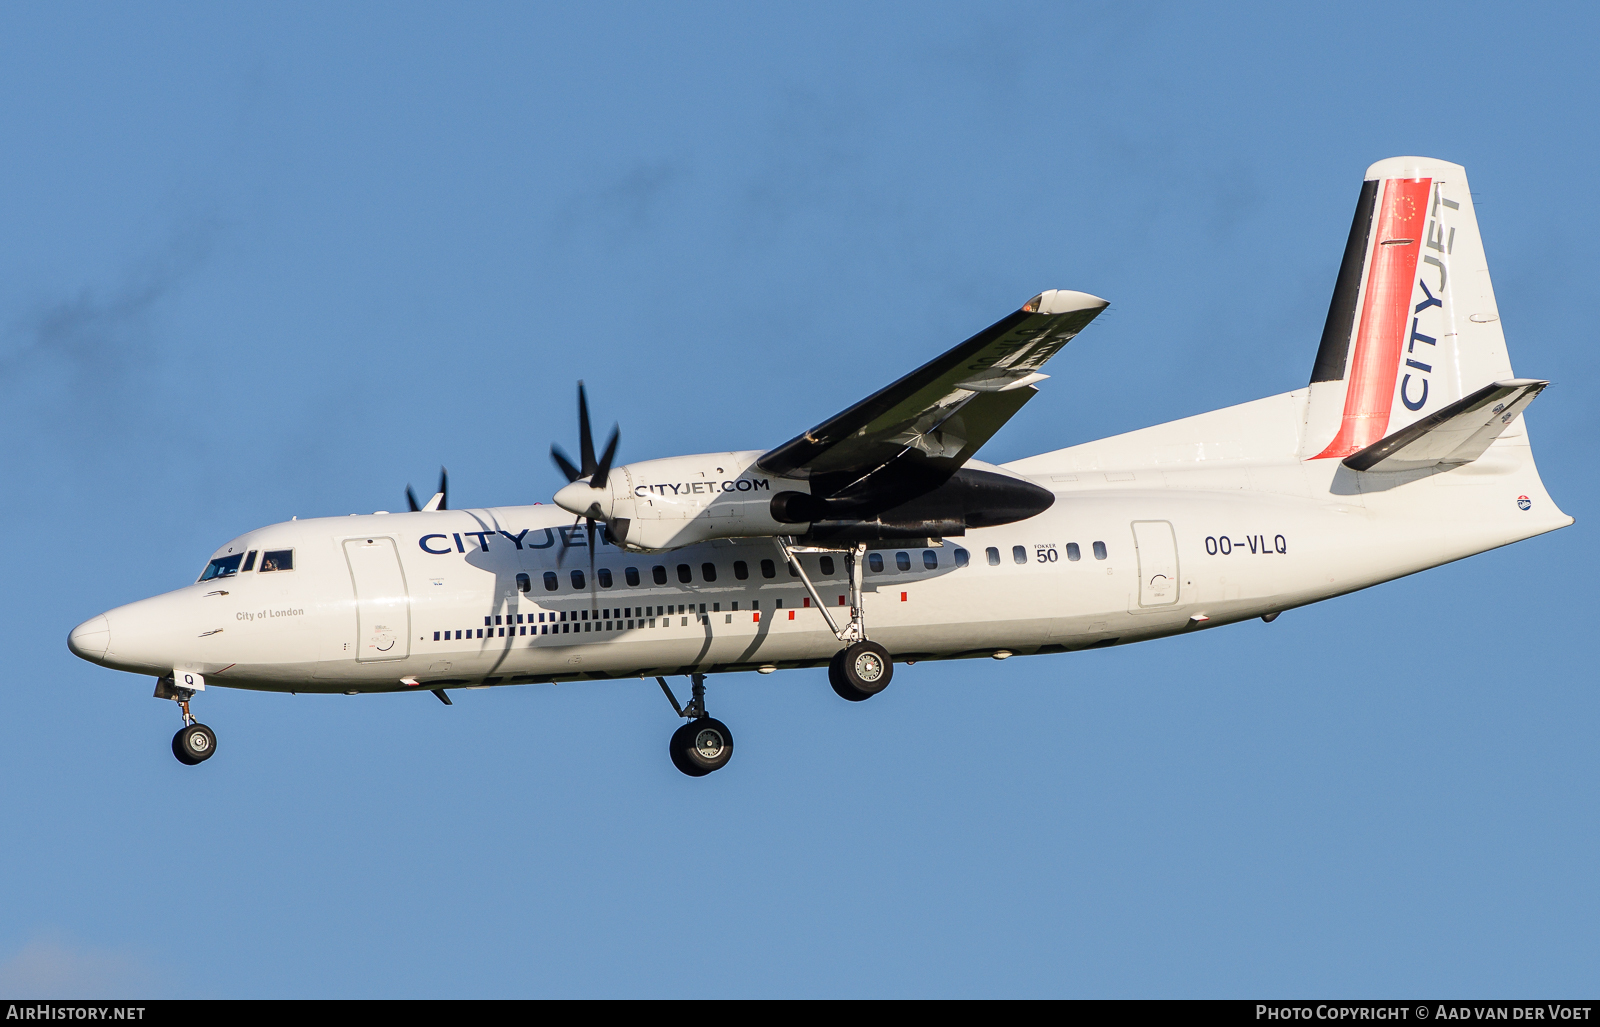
[550, 582]
[577, 579]
[1099, 550]
[1073, 552]
[249, 561]
[994, 556]
[658, 574]
[224, 567]
[741, 570]
[875, 561]
[708, 571]
[962, 556]
[685, 575]
[930, 559]
[769, 569]
[277, 560]
[902, 561]
[632, 577]
[1019, 554]
[523, 583]
[603, 575]
[794, 569]
[826, 563]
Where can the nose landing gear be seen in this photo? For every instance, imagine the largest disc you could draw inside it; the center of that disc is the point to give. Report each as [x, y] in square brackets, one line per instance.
[194, 743]
[705, 743]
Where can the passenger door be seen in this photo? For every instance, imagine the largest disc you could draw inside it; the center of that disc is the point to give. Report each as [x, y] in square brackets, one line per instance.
[1158, 563]
[383, 604]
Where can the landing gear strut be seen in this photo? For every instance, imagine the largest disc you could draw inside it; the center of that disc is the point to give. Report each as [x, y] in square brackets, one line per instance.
[194, 743]
[863, 668]
[703, 744]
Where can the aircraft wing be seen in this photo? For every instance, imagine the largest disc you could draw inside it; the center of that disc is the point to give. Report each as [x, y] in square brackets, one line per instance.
[919, 431]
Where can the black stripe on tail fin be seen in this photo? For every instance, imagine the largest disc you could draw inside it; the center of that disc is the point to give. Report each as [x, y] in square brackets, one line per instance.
[1334, 351]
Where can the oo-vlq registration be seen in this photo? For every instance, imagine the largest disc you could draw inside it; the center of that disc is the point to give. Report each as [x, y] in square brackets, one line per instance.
[877, 538]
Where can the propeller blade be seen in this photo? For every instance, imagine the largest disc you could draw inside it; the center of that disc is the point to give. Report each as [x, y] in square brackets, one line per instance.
[444, 489]
[411, 498]
[585, 437]
[594, 600]
[604, 469]
[572, 473]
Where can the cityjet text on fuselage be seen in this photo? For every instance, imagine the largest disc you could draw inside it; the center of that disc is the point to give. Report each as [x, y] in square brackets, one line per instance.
[527, 538]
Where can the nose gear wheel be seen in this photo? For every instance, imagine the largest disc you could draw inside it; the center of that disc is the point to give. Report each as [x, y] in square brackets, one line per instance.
[193, 744]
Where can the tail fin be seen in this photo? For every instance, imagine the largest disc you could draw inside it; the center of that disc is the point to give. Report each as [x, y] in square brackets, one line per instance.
[1413, 325]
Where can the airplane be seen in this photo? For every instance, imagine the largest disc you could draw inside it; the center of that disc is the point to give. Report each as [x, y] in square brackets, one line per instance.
[877, 538]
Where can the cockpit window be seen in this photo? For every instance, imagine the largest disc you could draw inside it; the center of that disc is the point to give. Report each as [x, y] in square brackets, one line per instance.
[222, 567]
[277, 560]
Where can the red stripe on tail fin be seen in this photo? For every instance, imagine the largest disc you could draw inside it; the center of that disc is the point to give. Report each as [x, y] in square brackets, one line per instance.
[1385, 313]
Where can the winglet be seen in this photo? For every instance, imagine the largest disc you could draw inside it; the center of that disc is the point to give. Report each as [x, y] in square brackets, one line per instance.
[1063, 301]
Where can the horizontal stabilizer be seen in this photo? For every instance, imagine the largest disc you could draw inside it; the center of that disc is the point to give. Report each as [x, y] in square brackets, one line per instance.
[1457, 434]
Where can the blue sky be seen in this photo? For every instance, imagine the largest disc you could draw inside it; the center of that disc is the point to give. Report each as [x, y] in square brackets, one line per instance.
[259, 261]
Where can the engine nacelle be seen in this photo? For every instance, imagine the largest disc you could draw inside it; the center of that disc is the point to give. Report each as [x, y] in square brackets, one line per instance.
[657, 505]
[977, 496]
[677, 501]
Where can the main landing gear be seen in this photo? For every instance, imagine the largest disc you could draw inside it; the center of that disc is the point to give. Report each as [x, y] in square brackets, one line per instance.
[863, 668]
[194, 743]
[861, 671]
[705, 743]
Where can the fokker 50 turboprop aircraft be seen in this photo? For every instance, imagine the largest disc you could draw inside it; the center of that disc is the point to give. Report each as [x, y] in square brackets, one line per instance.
[875, 537]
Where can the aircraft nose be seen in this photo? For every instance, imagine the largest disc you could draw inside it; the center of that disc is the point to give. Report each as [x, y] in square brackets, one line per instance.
[91, 639]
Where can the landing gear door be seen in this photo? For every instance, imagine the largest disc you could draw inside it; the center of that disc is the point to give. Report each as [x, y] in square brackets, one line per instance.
[1158, 563]
[383, 604]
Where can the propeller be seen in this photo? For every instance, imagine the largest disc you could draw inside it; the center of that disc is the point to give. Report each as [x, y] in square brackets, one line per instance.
[439, 500]
[593, 473]
[596, 471]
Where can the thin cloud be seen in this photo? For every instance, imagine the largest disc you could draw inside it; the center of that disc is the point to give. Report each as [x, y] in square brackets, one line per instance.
[49, 969]
[621, 208]
[98, 335]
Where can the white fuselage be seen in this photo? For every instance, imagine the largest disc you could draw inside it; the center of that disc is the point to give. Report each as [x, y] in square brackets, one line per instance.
[1202, 522]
